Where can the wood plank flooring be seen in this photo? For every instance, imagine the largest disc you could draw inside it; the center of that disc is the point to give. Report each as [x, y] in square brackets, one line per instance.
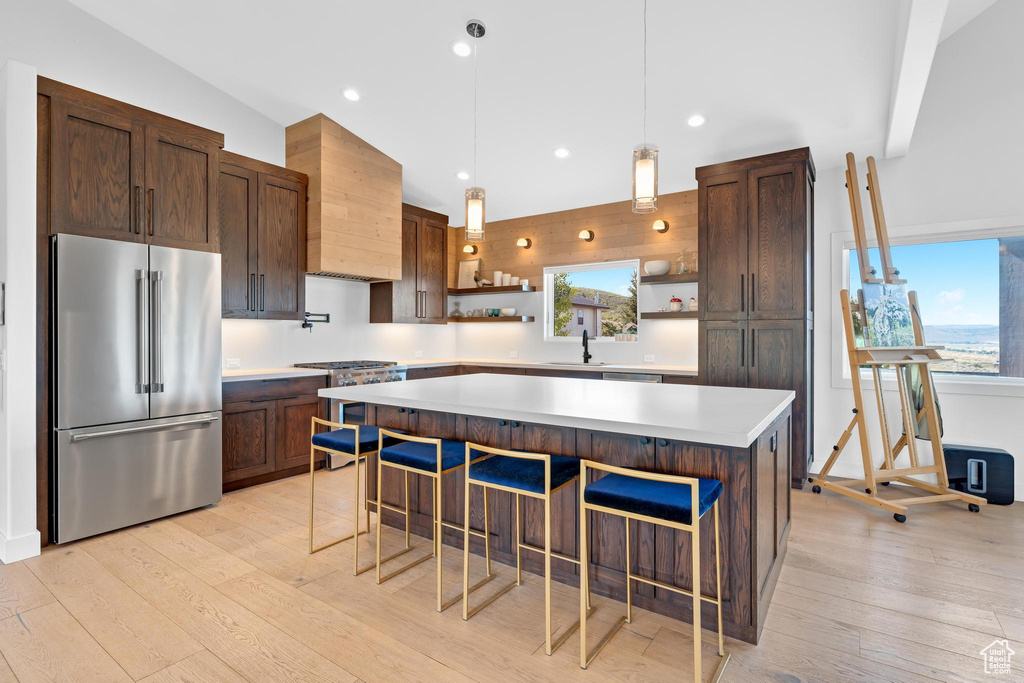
[229, 593]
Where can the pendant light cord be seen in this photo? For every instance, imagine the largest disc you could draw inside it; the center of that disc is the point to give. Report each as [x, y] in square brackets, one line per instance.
[476, 182]
[645, 73]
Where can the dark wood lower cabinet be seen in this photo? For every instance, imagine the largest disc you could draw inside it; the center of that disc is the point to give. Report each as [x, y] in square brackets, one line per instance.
[754, 512]
[267, 427]
[249, 436]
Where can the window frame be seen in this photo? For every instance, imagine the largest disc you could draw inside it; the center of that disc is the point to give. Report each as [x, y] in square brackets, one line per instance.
[954, 231]
[549, 297]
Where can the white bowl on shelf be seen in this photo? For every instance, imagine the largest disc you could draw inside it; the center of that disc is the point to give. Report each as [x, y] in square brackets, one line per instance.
[657, 267]
[508, 312]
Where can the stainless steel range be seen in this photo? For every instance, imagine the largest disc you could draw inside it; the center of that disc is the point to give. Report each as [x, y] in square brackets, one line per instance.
[350, 373]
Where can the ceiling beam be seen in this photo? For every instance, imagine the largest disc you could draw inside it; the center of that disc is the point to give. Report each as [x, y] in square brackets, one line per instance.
[920, 24]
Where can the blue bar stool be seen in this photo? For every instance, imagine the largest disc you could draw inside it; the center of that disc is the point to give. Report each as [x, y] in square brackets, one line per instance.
[360, 442]
[665, 499]
[525, 474]
[433, 458]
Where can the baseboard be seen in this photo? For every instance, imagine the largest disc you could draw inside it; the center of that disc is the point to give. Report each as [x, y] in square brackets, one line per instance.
[19, 548]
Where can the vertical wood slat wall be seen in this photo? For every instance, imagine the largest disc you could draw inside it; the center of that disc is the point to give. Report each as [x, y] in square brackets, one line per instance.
[619, 234]
[355, 201]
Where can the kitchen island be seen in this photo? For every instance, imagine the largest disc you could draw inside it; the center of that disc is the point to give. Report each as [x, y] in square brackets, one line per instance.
[739, 436]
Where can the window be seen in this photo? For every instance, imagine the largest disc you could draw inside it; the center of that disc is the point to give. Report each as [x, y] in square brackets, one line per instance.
[597, 297]
[971, 294]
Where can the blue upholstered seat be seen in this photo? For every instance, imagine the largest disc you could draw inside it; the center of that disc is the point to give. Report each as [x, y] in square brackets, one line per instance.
[423, 456]
[523, 473]
[659, 499]
[344, 440]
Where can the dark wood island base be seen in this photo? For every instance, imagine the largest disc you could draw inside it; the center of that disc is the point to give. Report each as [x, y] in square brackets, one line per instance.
[755, 511]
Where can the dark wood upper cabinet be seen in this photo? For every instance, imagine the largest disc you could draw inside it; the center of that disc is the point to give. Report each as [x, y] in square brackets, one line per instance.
[779, 243]
[282, 247]
[432, 269]
[237, 192]
[262, 217]
[96, 182]
[122, 172]
[722, 219]
[181, 196]
[754, 232]
[421, 296]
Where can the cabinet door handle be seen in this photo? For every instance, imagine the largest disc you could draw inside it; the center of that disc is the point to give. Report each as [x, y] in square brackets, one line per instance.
[401, 410]
[662, 442]
[252, 291]
[743, 347]
[417, 303]
[152, 209]
[138, 209]
[644, 440]
[423, 306]
[753, 346]
[752, 301]
[263, 292]
[502, 423]
[514, 424]
[743, 293]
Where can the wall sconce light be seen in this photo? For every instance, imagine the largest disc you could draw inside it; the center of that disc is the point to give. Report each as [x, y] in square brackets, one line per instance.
[587, 235]
[470, 249]
[660, 226]
[524, 242]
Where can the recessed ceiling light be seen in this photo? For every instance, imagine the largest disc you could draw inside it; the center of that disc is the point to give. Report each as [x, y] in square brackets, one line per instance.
[562, 153]
[461, 48]
[351, 95]
[462, 175]
[697, 120]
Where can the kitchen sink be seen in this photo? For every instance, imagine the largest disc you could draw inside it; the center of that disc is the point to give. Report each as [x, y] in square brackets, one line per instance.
[568, 362]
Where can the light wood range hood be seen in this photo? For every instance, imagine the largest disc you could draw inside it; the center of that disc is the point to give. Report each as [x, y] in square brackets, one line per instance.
[354, 217]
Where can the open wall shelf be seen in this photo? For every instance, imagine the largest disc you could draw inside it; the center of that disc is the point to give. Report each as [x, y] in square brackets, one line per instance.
[669, 279]
[669, 315]
[490, 290]
[494, 319]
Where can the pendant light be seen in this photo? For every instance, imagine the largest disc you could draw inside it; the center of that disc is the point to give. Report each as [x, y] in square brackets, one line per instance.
[645, 157]
[475, 196]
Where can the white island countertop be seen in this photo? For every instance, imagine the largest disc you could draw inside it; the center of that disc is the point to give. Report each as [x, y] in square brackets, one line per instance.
[722, 416]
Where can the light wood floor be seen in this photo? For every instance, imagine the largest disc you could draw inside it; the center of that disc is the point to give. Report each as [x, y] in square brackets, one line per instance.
[229, 593]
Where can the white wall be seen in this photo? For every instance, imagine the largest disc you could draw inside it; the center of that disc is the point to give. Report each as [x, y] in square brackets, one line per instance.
[66, 44]
[964, 165]
[349, 335]
[268, 343]
[18, 535]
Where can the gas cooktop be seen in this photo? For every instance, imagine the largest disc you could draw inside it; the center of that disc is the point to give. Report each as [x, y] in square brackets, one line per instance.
[348, 365]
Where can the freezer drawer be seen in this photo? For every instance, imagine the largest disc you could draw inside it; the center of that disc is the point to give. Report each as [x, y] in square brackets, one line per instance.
[115, 476]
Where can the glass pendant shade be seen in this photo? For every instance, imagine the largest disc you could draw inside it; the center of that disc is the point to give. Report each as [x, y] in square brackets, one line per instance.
[645, 180]
[475, 214]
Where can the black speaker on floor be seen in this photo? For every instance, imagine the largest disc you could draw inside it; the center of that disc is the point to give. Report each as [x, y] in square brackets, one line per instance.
[985, 472]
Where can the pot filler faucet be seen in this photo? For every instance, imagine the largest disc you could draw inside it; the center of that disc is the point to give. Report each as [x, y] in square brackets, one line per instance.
[586, 348]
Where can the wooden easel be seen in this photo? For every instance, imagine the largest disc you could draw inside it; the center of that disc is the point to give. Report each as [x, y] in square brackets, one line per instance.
[876, 357]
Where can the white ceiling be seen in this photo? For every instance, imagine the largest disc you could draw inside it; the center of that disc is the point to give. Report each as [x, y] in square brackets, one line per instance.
[769, 75]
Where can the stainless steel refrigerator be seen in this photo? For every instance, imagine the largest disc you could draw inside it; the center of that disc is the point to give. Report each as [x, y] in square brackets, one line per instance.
[136, 383]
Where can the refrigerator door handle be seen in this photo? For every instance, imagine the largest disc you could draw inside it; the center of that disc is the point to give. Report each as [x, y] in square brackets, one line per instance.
[156, 335]
[141, 371]
[84, 436]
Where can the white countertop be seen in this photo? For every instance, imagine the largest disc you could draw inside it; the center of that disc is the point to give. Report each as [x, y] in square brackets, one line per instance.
[650, 368]
[268, 373]
[721, 416]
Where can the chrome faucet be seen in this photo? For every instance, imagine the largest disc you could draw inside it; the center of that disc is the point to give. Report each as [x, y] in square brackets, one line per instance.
[586, 348]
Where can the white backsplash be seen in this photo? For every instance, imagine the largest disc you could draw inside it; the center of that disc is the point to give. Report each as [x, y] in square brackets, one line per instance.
[274, 343]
